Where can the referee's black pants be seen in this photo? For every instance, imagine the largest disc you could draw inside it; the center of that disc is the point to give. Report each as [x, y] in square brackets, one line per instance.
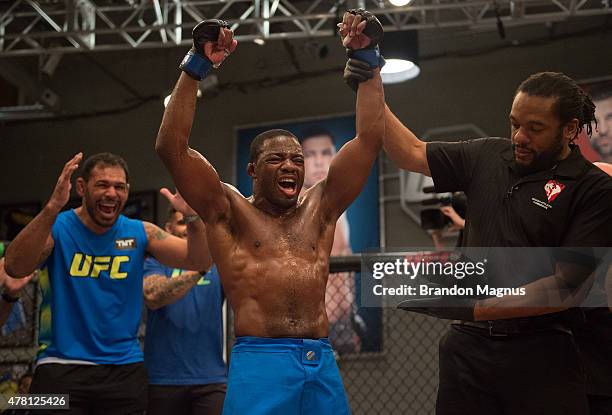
[521, 374]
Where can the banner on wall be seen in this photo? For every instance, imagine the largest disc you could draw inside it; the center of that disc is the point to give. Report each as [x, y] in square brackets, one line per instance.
[352, 329]
[599, 146]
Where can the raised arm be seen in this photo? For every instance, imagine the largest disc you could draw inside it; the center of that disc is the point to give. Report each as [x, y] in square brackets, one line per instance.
[34, 243]
[170, 250]
[193, 175]
[400, 144]
[349, 170]
[403, 147]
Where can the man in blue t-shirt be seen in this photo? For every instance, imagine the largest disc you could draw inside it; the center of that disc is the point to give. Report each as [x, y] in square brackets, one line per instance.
[93, 258]
[184, 338]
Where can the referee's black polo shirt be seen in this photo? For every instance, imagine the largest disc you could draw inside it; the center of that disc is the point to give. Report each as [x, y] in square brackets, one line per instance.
[569, 205]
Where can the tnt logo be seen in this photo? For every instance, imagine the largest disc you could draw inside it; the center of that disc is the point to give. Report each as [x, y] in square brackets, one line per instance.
[129, 243]
[91, 266]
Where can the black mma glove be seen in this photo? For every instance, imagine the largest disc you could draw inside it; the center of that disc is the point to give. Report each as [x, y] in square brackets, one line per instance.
[374, 31]
[195, 63]
[361, 61]
[356, 72]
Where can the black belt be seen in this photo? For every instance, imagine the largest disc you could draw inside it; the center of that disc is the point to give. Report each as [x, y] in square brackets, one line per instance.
[503, 328]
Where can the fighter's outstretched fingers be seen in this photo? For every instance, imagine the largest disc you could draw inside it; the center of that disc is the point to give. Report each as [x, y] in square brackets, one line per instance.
[345, 31]
[61, 193]
[354, 24]
[166, 193]
[177, 202]
[229, 43]
[347, 40]
[347, 20]
[74, 161]
[221, 38]
[360, 27]
[70, 166]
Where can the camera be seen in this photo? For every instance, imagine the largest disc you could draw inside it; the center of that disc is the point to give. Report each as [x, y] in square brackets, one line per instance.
[433, 219]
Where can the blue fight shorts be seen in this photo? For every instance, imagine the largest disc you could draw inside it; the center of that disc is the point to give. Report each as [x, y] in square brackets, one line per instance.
[284, 377]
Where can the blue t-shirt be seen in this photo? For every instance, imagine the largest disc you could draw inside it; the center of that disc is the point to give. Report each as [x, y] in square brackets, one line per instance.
[184, 340]
[96, 291]
[15, 321]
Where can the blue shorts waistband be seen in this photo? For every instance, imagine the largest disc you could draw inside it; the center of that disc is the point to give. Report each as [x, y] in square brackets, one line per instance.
[279, 341]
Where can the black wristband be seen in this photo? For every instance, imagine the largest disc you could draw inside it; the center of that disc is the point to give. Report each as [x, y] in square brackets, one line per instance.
[8, 298]
[191, 218]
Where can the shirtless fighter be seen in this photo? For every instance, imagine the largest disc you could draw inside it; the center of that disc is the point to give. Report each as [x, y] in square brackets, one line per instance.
[272, 249]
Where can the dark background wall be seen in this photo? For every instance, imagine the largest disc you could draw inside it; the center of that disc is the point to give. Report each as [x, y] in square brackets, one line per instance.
[451, 89]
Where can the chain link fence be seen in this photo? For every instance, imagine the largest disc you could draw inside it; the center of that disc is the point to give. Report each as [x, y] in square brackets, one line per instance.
[396, 369]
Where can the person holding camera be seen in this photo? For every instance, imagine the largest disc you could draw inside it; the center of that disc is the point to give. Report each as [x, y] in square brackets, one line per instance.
[445, 221]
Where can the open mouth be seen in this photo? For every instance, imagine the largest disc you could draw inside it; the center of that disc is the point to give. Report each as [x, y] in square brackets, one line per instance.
[108, 209]
[288, 186]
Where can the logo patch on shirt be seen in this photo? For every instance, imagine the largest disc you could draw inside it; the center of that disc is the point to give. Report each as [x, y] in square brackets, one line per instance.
[553, 189]
[128, 243]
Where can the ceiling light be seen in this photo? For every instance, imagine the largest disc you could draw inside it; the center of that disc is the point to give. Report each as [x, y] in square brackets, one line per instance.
[401, 50]
[399, 3]
[399, 70]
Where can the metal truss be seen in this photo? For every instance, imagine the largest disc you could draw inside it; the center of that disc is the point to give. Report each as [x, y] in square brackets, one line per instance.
[40, 27]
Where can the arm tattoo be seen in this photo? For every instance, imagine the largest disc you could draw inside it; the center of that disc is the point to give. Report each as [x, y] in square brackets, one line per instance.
[154, 232]
[161, 234]
[160, 291]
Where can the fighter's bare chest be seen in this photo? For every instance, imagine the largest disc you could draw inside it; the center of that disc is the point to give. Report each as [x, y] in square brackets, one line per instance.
[296, 237]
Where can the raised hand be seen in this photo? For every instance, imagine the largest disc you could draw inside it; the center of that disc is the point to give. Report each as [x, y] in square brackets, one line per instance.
[213, 42]
[451, 213]
[361, 32]
[359, 35]
[13, 286]
[61, 193]
[218, 51]
[351, 32]
[177, 202]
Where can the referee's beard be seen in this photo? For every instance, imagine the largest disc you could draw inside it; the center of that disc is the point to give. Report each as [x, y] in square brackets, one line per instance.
[543, 160]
